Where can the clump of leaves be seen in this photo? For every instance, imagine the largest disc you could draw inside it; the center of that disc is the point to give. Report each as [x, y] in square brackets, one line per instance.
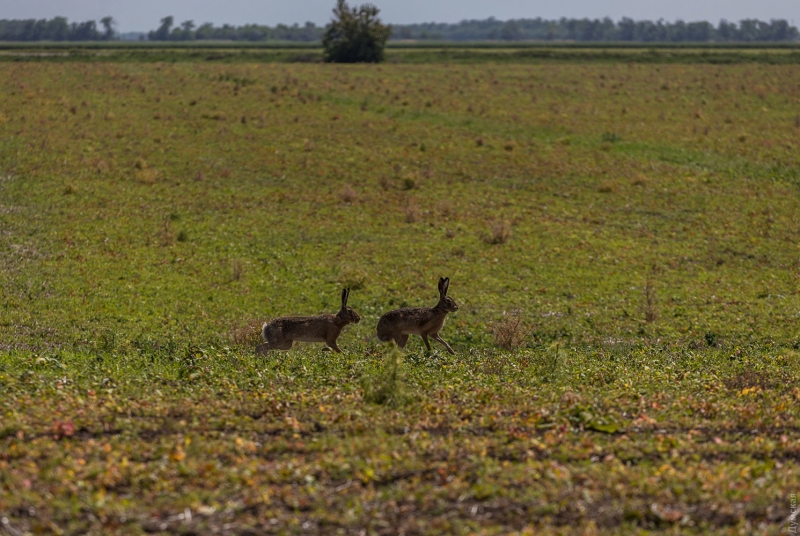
[501, 233]
[387, 386]
[509, 333]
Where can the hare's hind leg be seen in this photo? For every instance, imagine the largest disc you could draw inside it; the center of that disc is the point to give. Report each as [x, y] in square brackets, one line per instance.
[401, 340]
[436, 337]
[285, 344]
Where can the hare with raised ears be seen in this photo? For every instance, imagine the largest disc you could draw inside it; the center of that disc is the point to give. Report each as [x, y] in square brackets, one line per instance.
[281, 333]
[397, 325]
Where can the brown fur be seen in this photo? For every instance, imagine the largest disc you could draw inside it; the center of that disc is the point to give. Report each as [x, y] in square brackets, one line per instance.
[398, 324]
[281, 333]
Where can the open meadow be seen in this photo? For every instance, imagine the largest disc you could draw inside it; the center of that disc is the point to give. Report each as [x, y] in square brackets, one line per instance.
[621, 239]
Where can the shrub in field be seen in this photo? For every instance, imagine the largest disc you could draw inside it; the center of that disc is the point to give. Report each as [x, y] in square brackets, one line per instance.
[387, 386]
[411, 211]
[247, 334]
[501, 232]
[237, 269]
[509, 333]
[348, 195]
[355, 35]
[607, 187]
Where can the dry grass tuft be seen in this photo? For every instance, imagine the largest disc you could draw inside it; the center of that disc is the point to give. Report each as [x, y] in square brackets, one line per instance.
[147, 176]
[446, 208]
[501, 233]
[607, 187]
[386, 183]
[166, 235]
[410, 183]
[509, 333]
[649, 294]
[247, 334]
[237, 269]
[348, 195]
[411, 211]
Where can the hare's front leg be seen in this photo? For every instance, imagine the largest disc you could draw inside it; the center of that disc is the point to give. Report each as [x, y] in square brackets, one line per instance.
[262, 349]
[425, 340]
[436, 337]
[332, 343]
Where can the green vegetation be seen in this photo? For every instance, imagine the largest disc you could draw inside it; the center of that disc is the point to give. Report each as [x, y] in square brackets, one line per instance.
[621, 239]
[588, 30]
[355, 35]
[422, 52]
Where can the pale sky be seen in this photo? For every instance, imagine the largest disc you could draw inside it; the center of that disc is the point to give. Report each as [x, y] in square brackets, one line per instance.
[142, 15]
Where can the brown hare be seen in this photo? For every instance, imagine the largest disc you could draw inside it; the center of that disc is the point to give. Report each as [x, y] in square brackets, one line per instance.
[397, 325]
[280, 333]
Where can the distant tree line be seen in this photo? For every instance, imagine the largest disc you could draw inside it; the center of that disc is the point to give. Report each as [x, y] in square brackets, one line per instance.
[56, 29]
[748, 30]
[588, 30]
[188, 31]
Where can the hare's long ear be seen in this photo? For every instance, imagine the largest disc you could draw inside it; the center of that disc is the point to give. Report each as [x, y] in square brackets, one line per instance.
[441, 286]
[445, 286]
[344, 298]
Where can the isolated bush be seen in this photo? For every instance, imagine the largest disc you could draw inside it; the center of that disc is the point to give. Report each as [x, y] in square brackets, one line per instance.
[355, 35]
[501, 232]
[247, 334]
[509, 333]
[387, 386]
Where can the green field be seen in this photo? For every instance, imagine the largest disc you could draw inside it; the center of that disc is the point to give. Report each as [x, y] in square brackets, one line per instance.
[621, 238]
[406, 52]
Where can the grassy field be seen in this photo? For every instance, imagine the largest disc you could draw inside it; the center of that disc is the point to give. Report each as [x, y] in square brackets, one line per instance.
[406, 52]
[621, 238]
